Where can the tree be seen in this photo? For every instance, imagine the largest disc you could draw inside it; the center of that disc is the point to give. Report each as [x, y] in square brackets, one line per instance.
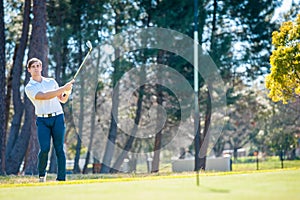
[242, 46]
[155, 14]
[2, 91]
[16, 81]
[120, 10]
[113, 130]
[242, 117]
[73, 22]
[128, 145]
[38, 48]
[279, 128]
[77, 25]
[283, 81]
[158, 136]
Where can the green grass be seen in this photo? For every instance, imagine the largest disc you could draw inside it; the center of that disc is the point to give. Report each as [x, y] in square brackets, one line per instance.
[269, 163]
[263, 184]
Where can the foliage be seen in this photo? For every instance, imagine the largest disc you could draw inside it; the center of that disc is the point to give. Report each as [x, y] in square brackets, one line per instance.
[223, 26]
[245, 28]
[283, 81]
[277, 126]
[284, 125]
[244, 115]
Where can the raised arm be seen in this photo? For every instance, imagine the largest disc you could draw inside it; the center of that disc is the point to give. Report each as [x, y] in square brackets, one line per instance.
[56, 93]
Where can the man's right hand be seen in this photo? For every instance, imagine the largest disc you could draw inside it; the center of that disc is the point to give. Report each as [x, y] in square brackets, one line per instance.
[68, 86]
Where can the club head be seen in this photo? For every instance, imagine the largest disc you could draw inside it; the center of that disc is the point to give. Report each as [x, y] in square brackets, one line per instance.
[89, 44]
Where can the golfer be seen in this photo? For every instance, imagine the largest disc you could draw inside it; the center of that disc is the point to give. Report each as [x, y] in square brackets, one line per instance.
[46, 96]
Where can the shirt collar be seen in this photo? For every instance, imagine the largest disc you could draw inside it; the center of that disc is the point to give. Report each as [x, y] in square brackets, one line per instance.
[33, 81]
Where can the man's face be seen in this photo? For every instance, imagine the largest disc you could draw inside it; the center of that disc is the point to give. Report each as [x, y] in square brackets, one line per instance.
[35, 69]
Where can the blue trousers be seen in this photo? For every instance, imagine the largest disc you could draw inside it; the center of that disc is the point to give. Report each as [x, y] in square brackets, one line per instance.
[47, 128]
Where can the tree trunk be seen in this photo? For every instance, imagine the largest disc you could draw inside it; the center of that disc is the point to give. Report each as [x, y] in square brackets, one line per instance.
[133, 163]
[205, 138]
[8, 93]
[197, 143]
[219, 147]
[156, 157]
[38, 48]
[158, 136]
[76, 168]
[2, 91]
[201, 20]
[197, 128]
[33, 148]
[17, 146]
[91, 138]
[235, 152]
[117, 165]
[16, 156]
[93, 98]
[113, 129]
[109, 149]
[214, 29]
[86, 163]
[16, 82]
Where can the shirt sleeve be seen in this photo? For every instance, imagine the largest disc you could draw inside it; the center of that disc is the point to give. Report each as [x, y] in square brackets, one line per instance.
[31, 91]
[56, 86]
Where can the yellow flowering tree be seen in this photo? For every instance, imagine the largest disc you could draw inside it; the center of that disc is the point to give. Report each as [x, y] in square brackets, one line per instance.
[284, 80]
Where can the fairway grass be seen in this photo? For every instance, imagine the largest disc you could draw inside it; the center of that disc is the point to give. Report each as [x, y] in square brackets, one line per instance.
[278, 184]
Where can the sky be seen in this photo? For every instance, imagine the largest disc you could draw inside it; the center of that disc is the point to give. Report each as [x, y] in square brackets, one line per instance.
[286, 4]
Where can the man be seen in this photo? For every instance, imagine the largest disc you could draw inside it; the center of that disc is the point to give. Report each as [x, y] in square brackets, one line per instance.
[46, 96]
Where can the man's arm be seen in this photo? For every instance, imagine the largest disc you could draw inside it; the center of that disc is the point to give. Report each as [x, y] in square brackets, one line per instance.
[55, 93]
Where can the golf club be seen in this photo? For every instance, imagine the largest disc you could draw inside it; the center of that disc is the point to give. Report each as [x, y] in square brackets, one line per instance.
[89, 44]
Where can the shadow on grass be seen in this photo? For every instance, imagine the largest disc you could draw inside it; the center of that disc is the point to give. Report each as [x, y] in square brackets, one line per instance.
[215, 190]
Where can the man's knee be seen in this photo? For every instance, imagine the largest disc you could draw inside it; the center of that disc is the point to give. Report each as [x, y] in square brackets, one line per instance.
[44, 150]
[59, 151]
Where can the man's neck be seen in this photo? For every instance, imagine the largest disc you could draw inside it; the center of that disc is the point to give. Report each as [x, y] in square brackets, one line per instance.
[37, 78]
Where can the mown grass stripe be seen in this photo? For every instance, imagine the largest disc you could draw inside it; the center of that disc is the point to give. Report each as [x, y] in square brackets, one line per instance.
[140, 178]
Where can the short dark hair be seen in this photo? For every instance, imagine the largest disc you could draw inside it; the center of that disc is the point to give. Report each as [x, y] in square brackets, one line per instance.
[33, 60]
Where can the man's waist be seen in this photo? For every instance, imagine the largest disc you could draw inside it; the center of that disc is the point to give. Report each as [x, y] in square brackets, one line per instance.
[53, 114]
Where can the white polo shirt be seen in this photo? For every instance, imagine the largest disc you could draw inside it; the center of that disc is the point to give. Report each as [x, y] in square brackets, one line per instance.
[43, 107]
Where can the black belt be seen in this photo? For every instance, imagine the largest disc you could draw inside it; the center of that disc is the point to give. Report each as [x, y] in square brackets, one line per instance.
[50, 114]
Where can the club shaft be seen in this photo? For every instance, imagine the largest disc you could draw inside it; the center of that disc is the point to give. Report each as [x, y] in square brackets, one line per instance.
[87, 55]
